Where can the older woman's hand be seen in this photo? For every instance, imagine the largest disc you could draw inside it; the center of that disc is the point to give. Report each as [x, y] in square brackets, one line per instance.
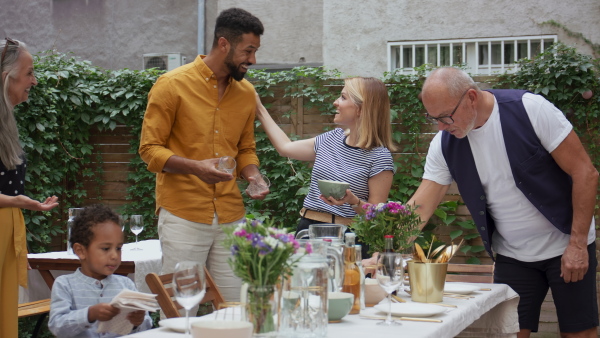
[24, 202]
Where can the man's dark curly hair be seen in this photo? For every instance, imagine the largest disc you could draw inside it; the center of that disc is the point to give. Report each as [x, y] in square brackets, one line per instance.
[84, 222]
[232, 23]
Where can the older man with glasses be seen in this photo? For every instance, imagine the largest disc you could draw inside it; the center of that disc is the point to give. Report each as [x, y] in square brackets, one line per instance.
[530, 187]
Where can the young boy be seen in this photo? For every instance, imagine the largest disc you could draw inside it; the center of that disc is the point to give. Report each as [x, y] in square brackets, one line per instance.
[81, 299]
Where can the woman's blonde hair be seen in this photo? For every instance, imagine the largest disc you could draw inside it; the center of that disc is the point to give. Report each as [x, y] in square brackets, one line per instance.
[374, 123]
[10, 148]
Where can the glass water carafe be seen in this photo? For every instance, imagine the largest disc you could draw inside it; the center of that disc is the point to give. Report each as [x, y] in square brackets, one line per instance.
[304, 296]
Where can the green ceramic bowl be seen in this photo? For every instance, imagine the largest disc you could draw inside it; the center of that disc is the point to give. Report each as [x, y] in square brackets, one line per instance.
[339, 305]
[334, 189]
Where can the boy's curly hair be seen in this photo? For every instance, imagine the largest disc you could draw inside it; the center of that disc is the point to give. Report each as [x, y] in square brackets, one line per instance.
[90, 216]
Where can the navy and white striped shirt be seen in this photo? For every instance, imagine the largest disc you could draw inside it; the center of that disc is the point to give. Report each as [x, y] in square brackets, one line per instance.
[337, 161]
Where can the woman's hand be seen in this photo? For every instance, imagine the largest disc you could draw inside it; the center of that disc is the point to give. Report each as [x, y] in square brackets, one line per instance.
[349, 198]
[24, 202]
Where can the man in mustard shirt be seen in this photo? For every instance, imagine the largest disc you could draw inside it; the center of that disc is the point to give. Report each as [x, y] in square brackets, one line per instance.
[196, 114]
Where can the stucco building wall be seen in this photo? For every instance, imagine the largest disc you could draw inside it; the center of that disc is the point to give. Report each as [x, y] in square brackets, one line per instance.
[356, 33]
[112, 34]
[350, 36]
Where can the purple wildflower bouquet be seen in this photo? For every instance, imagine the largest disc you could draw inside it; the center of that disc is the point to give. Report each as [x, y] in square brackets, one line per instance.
[392, 218]
[260, 252]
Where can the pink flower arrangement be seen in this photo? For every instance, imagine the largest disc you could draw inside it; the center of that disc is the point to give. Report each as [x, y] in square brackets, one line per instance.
[392, 218]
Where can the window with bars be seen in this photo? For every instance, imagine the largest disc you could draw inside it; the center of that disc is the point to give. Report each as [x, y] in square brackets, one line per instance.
[480, 56]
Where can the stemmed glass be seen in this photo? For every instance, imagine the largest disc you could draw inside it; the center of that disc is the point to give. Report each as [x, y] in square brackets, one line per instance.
[389, 274]
[136, 225]
[188, 287]
[407, 255]
[73, 212]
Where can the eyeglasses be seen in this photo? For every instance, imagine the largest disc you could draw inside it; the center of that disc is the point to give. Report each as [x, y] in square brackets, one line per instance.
[8, 41]
[448, 118]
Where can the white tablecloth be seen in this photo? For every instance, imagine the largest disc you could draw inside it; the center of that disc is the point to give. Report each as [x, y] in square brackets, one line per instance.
[147, 260]
[489, 314]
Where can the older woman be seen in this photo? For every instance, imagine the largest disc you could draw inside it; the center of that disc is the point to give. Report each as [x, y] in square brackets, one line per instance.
[357, 153]
[16, 66]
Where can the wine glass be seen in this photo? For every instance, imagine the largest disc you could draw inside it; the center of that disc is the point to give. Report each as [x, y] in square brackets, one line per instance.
[407, 255]
[389, 274]
[73, 212]
[188, 287]
[136, 225]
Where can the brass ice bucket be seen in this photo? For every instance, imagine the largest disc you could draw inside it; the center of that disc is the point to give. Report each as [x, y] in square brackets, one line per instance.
[427, 281]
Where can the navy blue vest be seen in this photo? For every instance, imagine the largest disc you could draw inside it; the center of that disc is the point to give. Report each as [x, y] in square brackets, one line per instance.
[536, 173]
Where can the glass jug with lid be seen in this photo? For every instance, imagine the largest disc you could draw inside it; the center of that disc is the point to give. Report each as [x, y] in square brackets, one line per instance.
[304, 297]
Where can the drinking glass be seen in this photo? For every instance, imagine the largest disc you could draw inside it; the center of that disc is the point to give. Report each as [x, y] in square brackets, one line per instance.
[407, 255]
[73, 212]
[259, 185]
[136, 225]
[389, 274]
[188, 287]
[226, 164]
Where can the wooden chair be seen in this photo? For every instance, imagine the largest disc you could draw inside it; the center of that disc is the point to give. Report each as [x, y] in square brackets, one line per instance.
[40, 307]
[470, 273]
[161, 285]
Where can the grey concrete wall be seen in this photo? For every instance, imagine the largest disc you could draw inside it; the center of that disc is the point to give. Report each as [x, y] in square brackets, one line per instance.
[350, 36]
[293, 29]
[115, 34]
[111, 33]
[356, 32]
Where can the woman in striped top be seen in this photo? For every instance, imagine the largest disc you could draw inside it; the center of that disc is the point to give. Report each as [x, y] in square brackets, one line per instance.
[358, 152]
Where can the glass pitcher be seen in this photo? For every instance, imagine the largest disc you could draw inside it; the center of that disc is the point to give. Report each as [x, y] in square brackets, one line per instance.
[304, 296]
[335, 232]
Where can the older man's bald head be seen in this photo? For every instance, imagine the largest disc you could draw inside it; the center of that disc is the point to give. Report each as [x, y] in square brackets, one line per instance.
[449, 81]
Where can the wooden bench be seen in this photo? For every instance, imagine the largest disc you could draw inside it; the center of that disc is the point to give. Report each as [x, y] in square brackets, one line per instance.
[40, 307]
[470, 273]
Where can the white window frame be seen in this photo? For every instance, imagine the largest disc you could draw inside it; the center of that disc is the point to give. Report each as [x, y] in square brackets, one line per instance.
[470, 52]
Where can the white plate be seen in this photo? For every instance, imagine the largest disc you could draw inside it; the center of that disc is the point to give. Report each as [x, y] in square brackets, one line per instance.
[176, 324]
[411, 309]
[462, 289]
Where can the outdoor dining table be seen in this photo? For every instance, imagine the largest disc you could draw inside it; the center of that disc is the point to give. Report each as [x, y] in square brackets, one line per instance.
[136, 264]
[490, 312]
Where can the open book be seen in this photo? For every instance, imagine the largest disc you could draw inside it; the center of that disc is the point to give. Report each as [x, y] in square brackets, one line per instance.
[128, 301]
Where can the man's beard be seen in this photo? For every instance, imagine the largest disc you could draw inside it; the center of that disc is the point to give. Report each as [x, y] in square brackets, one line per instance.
[234, 70]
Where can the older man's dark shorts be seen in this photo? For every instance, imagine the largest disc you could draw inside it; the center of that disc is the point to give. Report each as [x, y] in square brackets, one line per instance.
[576, 303]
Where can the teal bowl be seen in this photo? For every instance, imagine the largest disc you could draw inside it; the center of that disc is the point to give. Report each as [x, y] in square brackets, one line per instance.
[333, 189]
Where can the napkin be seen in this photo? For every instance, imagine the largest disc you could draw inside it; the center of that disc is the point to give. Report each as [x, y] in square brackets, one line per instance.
[128, 301]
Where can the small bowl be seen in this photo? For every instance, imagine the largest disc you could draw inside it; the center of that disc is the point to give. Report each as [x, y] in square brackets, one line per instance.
[373, 292]
[339, 305]
[221, 328]
[333, 189]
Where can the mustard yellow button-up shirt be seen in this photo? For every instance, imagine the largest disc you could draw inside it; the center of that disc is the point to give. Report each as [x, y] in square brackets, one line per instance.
[184, 117]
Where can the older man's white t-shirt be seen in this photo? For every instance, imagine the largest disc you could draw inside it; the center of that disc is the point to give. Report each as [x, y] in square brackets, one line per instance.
[522, 232]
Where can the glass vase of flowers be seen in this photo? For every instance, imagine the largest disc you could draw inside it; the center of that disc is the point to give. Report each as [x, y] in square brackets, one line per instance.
[261, 256]
[391, 218]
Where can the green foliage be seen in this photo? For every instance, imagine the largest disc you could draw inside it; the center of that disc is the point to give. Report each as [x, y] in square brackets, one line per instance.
[71, 99]
[289, 185]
